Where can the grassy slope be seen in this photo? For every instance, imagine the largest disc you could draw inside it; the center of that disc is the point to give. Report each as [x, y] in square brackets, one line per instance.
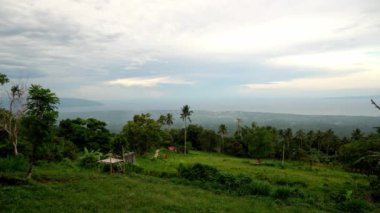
[66, 188]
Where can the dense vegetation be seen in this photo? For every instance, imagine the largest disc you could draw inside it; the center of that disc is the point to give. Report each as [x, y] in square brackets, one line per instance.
[30, 137]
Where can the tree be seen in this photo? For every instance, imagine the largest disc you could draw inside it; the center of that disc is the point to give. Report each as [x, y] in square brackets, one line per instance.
[222, 131]
[3, 79]
[10, 119]
[39, 121]
[142, 133]
[169, 119]
[86, 133]
[259, 142]
[287, 137]
[356, 134]
[209, 140]
[185, 115]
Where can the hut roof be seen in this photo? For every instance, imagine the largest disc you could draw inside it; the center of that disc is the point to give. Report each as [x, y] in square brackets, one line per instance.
[110, 160]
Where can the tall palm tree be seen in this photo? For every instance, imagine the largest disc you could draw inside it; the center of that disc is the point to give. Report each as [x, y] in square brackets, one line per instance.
[185, 115]
[169, 119]
[222, 131]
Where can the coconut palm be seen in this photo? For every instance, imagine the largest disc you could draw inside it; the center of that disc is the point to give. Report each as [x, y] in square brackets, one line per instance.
[169, 119]
[222, 132]
[185, 115]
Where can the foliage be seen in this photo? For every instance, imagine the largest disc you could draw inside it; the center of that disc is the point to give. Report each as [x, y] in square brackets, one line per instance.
[198, 172]
[90, 133]
[3, 79]
[283, 193]
[89, 158]
[13, 164]
[354, 206]
[142, 134]
[39, 121]
[210, 176]
[259, 141]
[10, 118]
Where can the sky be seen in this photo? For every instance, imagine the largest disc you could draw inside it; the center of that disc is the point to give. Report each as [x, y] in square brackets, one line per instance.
[198, 51]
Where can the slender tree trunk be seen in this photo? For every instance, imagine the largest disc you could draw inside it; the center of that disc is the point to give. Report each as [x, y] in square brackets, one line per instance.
[29, 173]
[13, 138]
[222, 148]
[283, 153]
[15, 149]
[185, 138]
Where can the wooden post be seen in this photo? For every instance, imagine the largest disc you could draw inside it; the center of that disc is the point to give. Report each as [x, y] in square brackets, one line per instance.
[111, 165]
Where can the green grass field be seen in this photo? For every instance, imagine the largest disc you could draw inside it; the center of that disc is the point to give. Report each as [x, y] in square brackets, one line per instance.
[65, 187]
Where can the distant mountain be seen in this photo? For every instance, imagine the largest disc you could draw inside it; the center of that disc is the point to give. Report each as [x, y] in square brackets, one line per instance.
[356, 97]
[76, 102]
[342, 125]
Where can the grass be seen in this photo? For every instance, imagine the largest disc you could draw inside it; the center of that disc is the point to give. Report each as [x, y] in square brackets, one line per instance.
[65, 187]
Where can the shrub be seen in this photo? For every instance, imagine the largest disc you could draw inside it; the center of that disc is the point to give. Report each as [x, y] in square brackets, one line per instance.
[354, 205]
[210, 178]
[259, 188]
[89, 158]
[198, 172]
[283, 193]
[13, 164]
[131, 168]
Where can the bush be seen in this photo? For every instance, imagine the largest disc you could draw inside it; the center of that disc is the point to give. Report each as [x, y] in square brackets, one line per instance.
[198, 172]
[13, 164]
[355, 206]
[283, 193]
[210, 178]
[89, 158]
[259, 188]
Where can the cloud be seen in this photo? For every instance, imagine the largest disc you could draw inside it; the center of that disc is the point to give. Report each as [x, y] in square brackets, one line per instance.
[131, 44]
[362, 80]
[147, 82]
[343, 61]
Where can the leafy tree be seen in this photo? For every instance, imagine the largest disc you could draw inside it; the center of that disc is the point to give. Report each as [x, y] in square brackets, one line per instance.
[3, 79]
[119, 144]
[356, 134]
[162, 120]
[301, 146]
[222, 131]
[185, 116]
[142, 133]
[209, 140]
[194, 136]
[259, 142]
[86, 133]
[39, 121]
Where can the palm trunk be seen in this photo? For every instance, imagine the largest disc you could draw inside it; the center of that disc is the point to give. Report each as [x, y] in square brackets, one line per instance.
[185, 139]
[222, 148]
[283, 153]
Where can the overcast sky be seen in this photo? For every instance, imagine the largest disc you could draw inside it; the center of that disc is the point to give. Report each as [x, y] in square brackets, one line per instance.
[198, 50]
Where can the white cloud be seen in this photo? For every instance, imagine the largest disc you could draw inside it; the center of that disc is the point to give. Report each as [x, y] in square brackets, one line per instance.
[362, 80]
[350, 60]
[147, 82]
[71, 44]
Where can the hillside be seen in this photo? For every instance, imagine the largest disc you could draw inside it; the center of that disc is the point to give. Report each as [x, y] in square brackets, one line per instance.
[156, 187]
